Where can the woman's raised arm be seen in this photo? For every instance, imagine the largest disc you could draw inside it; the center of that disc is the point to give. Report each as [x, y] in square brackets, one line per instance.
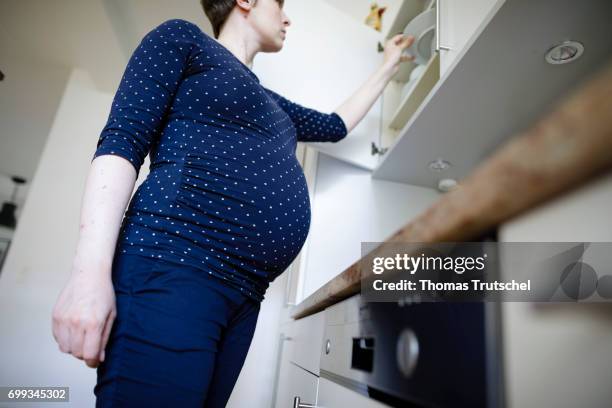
[315, 126]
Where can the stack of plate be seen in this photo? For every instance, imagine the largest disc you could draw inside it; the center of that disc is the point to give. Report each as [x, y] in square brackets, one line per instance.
[423, 28]
[415, 74]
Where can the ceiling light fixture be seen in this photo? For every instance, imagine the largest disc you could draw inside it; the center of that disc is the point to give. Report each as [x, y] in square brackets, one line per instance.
[439, 164]
[564, 53]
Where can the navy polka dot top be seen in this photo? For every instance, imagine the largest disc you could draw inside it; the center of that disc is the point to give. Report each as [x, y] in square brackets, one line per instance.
[225, 192]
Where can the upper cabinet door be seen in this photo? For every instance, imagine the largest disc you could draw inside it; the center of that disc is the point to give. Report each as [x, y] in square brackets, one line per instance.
[458, 21]
[328, 54]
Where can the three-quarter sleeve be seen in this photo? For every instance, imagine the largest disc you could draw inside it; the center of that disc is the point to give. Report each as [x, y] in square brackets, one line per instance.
[311, 125]
[146, 92]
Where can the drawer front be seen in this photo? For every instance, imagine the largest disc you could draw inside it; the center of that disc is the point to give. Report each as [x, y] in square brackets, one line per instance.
[307, 341]
[296, 382]
[332, 395]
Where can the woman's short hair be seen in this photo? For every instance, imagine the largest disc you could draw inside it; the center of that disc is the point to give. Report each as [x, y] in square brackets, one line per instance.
[217, 12]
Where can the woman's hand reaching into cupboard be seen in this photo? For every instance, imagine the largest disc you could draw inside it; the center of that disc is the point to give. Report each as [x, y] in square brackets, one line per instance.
[353, 110]
[394, 53]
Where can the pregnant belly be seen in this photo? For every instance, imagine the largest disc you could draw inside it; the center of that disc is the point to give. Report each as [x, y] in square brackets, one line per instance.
[255, 214]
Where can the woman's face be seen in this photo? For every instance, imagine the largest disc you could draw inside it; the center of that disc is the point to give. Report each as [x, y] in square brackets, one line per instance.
[270, 22]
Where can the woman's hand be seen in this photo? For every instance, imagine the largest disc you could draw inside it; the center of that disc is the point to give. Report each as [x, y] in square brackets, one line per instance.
[353, 110]
[393, 54]
[84, 314]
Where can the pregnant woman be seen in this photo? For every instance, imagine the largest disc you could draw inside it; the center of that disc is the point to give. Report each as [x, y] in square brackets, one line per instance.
[164, 301]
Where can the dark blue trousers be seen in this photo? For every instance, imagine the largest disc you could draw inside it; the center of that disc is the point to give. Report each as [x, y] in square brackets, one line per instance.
[179, 339]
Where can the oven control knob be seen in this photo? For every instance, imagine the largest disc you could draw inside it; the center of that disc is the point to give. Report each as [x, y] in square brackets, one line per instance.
[407, 352]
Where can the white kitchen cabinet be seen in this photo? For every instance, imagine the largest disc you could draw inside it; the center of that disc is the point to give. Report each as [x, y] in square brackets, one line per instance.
[332, 395]
[549, 344]
[497, 85]
[299, 359]
[296, 382]
[322, 68]
[458, 21]
[491, 84]
[307, 341]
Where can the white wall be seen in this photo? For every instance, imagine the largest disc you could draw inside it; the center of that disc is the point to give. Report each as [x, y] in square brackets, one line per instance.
[359, 9]
[349, 207]
[29, 97]
[39, 261]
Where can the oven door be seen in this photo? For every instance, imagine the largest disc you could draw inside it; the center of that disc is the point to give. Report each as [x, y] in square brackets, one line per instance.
[422, 355]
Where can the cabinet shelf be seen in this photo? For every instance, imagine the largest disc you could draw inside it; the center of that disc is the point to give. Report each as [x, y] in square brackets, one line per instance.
[417, 94]
[408, 10]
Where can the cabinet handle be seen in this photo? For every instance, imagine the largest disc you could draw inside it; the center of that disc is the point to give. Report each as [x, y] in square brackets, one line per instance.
[298, 404]
[438, 31]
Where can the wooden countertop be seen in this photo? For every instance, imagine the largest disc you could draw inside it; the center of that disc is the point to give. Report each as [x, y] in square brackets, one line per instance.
[562, 150]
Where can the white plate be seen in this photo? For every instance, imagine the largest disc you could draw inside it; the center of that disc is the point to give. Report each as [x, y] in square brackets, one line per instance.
[407, 88]
[423, 28]
[416, 72]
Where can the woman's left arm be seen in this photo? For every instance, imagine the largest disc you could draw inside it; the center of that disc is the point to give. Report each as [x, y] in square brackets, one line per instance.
[357, 105]
[312, 125]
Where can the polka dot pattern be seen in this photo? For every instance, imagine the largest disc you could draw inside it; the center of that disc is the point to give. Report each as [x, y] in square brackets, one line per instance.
[225, 193]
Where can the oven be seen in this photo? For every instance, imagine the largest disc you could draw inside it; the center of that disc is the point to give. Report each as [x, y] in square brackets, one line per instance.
[438, 355]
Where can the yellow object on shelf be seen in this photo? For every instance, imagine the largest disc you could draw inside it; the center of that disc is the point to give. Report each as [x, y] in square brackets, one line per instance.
[374, 19]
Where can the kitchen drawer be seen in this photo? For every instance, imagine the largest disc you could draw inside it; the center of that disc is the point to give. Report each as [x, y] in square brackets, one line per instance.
[306, 342]
[332, 395]
[296, 382]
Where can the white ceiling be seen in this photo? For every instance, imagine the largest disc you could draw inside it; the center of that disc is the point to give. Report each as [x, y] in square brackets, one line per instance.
[97, 35]
[41, 40]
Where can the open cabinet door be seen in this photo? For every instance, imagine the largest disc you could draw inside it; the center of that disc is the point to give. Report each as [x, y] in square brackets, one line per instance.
[326, 57]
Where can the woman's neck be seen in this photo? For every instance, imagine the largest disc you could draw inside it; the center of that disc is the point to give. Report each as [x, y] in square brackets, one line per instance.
[238, 41]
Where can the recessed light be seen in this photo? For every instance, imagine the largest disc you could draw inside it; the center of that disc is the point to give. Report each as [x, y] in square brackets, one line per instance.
[439, 164]
[564, 53]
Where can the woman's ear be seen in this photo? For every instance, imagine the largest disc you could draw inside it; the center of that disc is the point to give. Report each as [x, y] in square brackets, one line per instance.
[245, 5]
